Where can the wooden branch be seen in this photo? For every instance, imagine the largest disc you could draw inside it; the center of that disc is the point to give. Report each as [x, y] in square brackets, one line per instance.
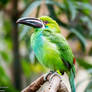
[50, 85]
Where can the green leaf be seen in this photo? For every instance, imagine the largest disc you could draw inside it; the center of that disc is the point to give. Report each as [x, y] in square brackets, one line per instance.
[87, 21]
[31, 7]
[5, 81]
[3, 75]
[51, 2]
[84, 6]
[27, 2]
[71, 6]
[5, 56]
[37, 3]
[25, 30]
[72, 9]
[7, 25]
[83, 63]
[89, 87]
[71, 36]
[80, 37]
[26, 68]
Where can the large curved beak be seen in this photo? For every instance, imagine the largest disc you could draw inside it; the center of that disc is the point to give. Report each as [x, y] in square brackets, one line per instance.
[34, 22]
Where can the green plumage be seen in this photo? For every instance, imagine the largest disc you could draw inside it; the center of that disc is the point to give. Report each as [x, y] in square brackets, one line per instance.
[52, 49]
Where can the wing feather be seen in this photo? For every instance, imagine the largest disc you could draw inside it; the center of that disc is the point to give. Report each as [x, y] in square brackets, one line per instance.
[65, 51]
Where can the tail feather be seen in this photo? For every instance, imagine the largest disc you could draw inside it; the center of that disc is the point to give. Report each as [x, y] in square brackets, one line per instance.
[71, 80]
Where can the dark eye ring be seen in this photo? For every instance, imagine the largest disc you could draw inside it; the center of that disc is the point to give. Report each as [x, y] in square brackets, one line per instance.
[45, 22]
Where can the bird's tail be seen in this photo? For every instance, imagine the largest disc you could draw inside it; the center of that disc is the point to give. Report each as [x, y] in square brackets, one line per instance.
[71, 74]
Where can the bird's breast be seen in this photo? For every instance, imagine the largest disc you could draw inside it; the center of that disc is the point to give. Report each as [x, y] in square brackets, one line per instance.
[46, 52]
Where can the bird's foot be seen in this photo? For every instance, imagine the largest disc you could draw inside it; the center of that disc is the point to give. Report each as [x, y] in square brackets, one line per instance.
[62, 72]
[46, 75]
[54, 74]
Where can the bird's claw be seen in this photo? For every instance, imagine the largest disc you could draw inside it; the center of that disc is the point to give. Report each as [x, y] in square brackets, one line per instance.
[54, 74]
[46, 75]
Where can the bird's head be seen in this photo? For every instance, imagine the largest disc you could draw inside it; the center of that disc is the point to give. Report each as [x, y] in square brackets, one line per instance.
[42, 22]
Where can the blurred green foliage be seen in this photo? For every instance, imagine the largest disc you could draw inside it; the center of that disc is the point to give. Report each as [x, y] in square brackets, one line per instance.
[89, 87]
[79, 25]
[3, 2]
[5, 82]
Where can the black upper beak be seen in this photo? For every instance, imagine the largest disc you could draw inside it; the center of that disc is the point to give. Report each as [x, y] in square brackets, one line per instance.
[34, 22]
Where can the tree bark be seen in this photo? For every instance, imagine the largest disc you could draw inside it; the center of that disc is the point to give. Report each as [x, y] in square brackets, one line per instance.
[16, 58]
[53, 84]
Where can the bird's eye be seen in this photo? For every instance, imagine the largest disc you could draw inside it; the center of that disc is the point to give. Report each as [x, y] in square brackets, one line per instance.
[45, 22]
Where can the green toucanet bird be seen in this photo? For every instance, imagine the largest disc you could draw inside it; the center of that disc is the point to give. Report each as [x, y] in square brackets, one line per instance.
[50, 47]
